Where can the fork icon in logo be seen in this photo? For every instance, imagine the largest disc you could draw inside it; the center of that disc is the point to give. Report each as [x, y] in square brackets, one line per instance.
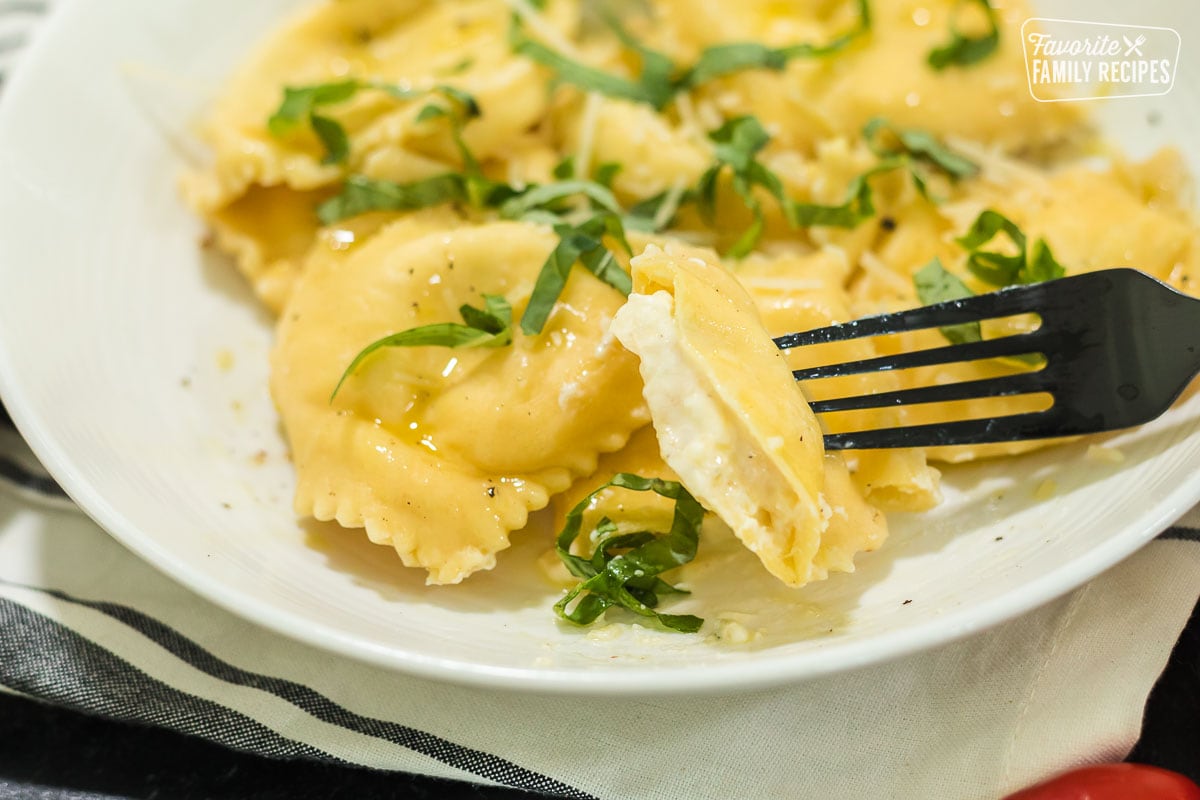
[1134, 47]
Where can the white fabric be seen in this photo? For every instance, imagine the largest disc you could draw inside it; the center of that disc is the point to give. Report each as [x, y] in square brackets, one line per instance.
[1062, 686]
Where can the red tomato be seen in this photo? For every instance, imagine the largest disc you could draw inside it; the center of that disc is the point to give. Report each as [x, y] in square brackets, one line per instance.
[1113, 782]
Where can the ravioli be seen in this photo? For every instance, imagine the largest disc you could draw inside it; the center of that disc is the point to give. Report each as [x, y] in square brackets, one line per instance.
[411, 44]
[884, 73]
[854, 525]
[442, 453]
[799, 293]
[730, 419]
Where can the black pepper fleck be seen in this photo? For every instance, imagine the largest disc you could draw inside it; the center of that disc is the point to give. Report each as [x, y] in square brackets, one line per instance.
[888, 224]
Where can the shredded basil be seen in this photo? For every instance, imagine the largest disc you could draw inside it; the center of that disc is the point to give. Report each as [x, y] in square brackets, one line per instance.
[550, 196]
[962, 50]
[582, 243]
[736, 146]
[300, 104]
[360, 195]
[457, 121]
[603, 174]
[858, 206]
[1028, 265]
[1001, 269]
[935, 285]
[647, 88]
[490, 326]
[920, 146]
[565, 169]
[726, 59]
[1041, 265]
[606, 173]
[623, 570]
[657, 68]
[658, 213]
[660, 79]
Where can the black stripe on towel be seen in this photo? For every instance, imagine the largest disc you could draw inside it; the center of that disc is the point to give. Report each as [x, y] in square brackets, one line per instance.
[42, 659]
[14, 473]
[310, 701]
[1181, 534]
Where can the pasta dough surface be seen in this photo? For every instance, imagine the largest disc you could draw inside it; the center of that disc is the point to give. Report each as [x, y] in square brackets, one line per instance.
[440, 453]
[730, 419]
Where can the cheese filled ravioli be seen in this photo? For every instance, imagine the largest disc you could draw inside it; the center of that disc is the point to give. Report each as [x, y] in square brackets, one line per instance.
[441, 452]
[730, 419]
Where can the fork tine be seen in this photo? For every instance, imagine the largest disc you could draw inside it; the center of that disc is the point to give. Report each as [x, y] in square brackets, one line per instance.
[1002, 303]
[1007, 385]
[1102, 377]
[1020, 344]
[1037, 425]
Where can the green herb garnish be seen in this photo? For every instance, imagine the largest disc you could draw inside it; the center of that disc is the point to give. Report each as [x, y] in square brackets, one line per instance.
[650, 87]
[935, 285]
[623, 569]
[962, 50]
[301, 103]
[858, 206]
[607, 172]
[658, 213]
[659, 78]
[564, 170]
[490, 326]
[582, 243]
[920, 146]
[552, 196]
[1028, 265]
[726, 59]
[550, 204]
[737, 144]
[360, 195]
[1001, 269]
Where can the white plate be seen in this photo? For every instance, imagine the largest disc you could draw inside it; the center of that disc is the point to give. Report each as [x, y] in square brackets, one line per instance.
[136, 367]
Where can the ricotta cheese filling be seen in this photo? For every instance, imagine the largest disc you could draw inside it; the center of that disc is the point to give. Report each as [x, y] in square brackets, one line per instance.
[759, 470]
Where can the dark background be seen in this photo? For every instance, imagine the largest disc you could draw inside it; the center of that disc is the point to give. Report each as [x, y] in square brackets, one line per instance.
[51, 754]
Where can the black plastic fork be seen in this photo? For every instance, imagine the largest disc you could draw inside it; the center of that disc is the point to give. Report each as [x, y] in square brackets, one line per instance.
[1119, 348]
